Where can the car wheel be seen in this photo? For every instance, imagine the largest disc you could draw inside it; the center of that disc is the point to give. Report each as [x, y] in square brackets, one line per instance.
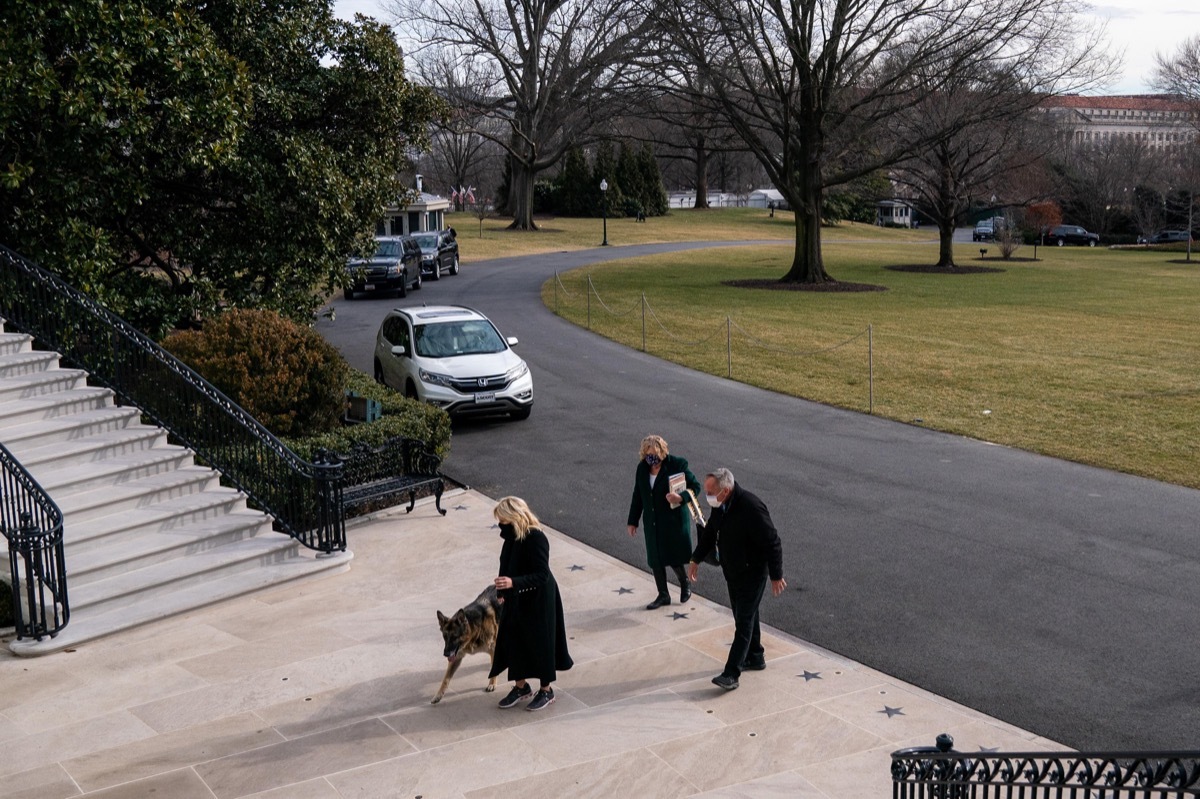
[410, 390]
[522, 413]
[348, 293]
[403, 290]
[1061, 242]
[379, 373]
[1091, 242]
[454, 266]
[417, 284]
[437, 271]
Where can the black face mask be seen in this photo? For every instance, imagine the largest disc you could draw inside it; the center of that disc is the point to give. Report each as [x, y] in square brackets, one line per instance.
[653, 460]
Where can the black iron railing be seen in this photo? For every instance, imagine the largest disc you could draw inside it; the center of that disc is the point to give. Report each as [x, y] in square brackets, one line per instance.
[33, 525]
[941, 773]
[304, 498]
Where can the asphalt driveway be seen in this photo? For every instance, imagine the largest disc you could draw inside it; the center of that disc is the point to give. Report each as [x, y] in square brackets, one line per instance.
[1058, 597]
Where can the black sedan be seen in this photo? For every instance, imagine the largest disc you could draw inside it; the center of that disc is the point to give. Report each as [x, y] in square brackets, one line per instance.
[1072, 234]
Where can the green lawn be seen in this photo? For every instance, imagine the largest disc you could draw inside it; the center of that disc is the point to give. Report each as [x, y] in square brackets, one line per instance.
[1089, 355]
[722, 224]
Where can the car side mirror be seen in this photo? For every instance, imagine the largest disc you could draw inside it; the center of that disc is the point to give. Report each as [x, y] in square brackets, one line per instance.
[512, 341]
[399, 351]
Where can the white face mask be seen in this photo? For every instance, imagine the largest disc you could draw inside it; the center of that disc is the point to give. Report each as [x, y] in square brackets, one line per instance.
[712, 501]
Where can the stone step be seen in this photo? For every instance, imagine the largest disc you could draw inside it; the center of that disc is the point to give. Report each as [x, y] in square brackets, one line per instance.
[87, 626]
[11, 343]
[128, 552]
[24, 363]
[143, 493]
[69, 428]
[54, 406]
[166, 516]
[110, 472]
[92, 449]
[38, 383]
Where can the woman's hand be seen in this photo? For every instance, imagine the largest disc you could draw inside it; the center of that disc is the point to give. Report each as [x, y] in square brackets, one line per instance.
[503, 583]
[632, 530]
[675, 499]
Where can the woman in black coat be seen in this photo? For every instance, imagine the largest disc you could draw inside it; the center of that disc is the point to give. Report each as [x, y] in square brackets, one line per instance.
[663, 514]
[532, 639]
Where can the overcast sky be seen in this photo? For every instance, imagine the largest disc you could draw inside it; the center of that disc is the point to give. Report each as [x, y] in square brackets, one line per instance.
[1139, 27]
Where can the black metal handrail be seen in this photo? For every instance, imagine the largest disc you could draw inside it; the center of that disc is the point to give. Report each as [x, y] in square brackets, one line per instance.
[33, 525]
[304, 498]
[940, 773]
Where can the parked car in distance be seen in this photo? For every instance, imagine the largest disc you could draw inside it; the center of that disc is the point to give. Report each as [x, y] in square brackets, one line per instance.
[394, 266]
[453, 357]
[1167, 236]
[985, 229]
[1062, 235]
[439, 252]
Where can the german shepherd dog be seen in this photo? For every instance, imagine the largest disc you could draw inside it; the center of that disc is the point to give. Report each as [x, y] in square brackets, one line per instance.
[472, 629]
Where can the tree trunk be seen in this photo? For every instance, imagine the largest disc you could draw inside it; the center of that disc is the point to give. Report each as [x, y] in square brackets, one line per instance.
[807, 266]
[946, 242]
[701, 176]
[521, 197]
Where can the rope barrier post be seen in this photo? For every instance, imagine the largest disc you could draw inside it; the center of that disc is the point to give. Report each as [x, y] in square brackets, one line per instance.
[589, 298]
[728, 347]
[556, 292]
[643, 321]
[870, 373]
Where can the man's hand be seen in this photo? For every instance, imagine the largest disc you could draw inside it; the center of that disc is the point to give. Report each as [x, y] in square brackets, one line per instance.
[777, 586]
[693, 571]
[632, 530]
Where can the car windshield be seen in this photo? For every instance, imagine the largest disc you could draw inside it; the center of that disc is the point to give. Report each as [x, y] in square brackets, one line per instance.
[426, 242]
[449, 339]
[388, 249]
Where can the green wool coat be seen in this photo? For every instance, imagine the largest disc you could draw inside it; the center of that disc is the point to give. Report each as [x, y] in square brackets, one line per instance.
[667, 530]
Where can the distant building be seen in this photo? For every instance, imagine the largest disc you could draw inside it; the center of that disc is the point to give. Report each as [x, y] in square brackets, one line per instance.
[426, 212]
[760, 198]
[896, 213]
[1162, 121]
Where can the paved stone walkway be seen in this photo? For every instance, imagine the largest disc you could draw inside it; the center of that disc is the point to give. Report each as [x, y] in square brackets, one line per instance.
[321, 690]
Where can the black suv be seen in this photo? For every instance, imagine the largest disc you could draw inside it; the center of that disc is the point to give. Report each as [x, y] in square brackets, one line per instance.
[395, 266]
[1072, 234]
[439, 252]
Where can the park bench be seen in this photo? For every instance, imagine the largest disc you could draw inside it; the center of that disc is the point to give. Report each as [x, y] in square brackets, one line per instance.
[399, 466]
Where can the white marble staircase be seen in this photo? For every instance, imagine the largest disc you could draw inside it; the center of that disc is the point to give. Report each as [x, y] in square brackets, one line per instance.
[148, 533]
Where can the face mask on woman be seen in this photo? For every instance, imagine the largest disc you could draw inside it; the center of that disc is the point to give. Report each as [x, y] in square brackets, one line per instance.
[653, 460]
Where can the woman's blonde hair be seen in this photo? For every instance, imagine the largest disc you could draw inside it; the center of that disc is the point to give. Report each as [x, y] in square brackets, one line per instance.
[653, 444]
[514, 511]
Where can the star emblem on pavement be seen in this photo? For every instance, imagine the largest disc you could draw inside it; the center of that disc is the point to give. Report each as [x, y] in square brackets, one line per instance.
[576, 568]
[810, 675]
[891, 711]
[677, 616]
[989, 749]
[460, 507]
[619, 591]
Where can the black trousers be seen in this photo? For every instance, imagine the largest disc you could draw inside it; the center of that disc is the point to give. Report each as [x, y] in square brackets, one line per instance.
[660, 579]
[745, 595]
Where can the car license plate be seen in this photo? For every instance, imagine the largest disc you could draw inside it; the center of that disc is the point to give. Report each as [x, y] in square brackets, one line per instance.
[369, 287]
[488, 396]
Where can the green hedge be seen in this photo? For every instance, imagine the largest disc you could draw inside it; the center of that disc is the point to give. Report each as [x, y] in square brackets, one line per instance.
[401, 417]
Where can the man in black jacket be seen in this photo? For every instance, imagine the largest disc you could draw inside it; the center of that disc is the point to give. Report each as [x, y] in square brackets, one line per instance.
[740, 525]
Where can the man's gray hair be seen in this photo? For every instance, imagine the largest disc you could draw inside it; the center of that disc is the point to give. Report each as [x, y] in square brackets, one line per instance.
[724, 478]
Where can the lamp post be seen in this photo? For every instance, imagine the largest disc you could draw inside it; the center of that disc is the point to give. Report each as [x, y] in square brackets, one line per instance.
[604, 209]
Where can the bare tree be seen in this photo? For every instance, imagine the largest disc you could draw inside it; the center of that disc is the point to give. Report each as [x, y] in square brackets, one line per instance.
[812, 85]
[1180, 74]
[547, 71]
[1102, 178]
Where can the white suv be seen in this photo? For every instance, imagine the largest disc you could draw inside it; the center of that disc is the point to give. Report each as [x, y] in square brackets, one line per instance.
[452, 357]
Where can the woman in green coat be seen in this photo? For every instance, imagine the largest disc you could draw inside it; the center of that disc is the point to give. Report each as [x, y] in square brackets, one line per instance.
[667, 522]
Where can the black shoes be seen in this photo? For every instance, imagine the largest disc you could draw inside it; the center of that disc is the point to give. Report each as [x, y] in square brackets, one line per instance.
[725, 681]
[516, 695]
[753, 665]
[661, 601]
[685, 593]
[545, 697]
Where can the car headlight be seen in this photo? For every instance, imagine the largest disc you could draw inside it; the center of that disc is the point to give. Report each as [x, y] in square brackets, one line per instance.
[427, 259]
[395, 269]
[433, 378]
[520, 370]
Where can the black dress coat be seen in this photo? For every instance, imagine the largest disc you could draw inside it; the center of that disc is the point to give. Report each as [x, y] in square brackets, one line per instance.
[532, 639]
[750, 546]
[667, 530]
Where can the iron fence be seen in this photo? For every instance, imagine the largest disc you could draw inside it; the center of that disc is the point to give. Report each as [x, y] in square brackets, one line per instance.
[304, 498]
[33, 525]
[941, 773]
